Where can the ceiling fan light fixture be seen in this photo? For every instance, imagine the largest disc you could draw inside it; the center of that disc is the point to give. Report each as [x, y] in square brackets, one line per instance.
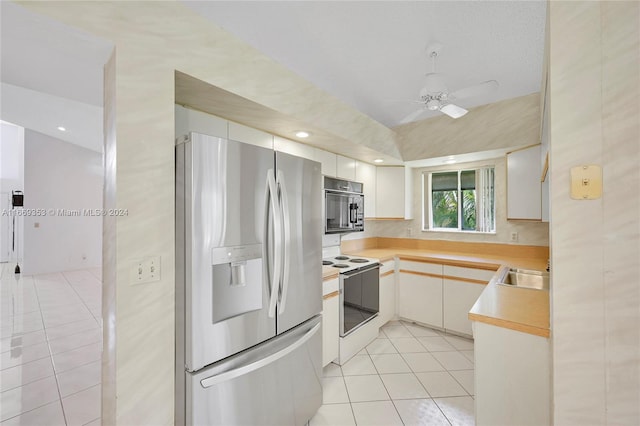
[433, 105]
[453, 111]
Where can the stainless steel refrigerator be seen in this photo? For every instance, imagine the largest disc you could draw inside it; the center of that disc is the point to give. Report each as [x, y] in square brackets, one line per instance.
[248, 284]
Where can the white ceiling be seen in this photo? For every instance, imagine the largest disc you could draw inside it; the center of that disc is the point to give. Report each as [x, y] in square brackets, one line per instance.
[41, 54]
[371, 54]
[51, 76]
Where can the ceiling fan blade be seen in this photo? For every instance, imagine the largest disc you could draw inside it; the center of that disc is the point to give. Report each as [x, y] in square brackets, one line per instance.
[411, 117]
[478, 89]
[404, 101]
[453, 111]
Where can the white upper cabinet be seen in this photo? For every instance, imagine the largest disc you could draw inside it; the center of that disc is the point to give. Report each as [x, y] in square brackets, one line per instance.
[328, 160]
[366, 173]
[241, 133]
[524, 188]
[294, 148]
[544, 159]
[190, 120]
[390, 192]
[345, 168]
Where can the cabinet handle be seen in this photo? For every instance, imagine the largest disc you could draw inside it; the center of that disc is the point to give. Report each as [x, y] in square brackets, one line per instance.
[331, 295]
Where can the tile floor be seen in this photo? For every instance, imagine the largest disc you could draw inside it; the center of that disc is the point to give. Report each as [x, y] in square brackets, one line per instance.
[51, 343]
[51, 347]
[409, 375]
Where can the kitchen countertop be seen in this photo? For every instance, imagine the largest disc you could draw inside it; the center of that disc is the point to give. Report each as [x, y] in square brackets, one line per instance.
[520, 309]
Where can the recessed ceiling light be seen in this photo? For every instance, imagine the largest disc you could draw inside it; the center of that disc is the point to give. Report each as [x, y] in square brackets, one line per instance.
[62, 129]
[450, 161]
[302, 134]
[378, 160]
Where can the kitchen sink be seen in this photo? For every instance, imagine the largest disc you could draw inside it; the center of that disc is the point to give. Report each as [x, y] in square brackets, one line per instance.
[525, 278]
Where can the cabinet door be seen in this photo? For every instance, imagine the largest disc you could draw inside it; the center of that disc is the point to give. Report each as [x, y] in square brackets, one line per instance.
[190, 120]
[420, 298]
[366, 173]
[523, 184]
[241, 133]
[387, 297]
[330, 327]
[345, 168]
[459, 297]
[390, 192]
[328, 160]
[294, 148]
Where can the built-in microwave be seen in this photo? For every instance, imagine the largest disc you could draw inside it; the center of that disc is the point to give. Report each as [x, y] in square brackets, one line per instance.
[344, 206]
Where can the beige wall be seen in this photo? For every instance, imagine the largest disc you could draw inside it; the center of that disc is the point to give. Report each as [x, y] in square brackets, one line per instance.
[504, 124]
[595, 245]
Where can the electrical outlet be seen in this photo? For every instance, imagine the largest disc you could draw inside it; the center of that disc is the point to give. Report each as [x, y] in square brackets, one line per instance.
[514, 236]
[409, 232]
[145, 270]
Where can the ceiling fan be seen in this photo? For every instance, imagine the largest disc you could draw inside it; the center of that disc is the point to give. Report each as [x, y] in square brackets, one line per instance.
[435, 96]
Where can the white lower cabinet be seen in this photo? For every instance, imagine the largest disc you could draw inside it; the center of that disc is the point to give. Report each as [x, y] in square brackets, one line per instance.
[440, 295]
[330, 322]
[512, 377]
[420, 298]
[459, 297]
[387, 297]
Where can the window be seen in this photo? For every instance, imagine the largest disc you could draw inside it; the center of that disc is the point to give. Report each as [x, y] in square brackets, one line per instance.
[459, 200]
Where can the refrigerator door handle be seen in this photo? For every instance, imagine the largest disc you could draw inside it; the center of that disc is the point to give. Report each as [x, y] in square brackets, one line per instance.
[271, 197]
[247, 368]
[286, 219]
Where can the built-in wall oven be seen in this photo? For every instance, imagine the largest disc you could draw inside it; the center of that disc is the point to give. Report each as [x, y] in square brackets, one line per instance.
[359, 290]
[344, 206]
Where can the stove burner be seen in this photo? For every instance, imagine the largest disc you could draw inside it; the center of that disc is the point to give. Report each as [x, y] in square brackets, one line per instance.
[340, 265]
[359, 260]
[327, 262]
[341, 258]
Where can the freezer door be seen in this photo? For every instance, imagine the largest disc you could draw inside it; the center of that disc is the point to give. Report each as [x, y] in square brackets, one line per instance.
[275, 383]
[224, 197]
[300, 188]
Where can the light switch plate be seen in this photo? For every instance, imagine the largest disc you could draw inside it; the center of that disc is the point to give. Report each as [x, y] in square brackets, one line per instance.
[145, 270]
[586, 182]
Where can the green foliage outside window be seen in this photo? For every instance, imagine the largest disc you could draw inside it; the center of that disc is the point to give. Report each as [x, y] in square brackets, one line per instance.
[455, 203]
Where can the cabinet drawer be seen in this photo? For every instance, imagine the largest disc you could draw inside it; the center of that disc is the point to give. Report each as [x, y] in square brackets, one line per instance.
[429, 268]
[387, 266]
[330, 286]
[469, 273]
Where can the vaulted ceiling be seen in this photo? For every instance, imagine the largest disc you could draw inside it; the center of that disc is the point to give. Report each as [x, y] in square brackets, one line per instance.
[371, 54]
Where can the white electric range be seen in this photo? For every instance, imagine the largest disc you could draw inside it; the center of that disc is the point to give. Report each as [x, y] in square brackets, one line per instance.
[359, 301]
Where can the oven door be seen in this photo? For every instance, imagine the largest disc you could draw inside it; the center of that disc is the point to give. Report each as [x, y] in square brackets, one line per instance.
[344, 212]
[359, 298]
